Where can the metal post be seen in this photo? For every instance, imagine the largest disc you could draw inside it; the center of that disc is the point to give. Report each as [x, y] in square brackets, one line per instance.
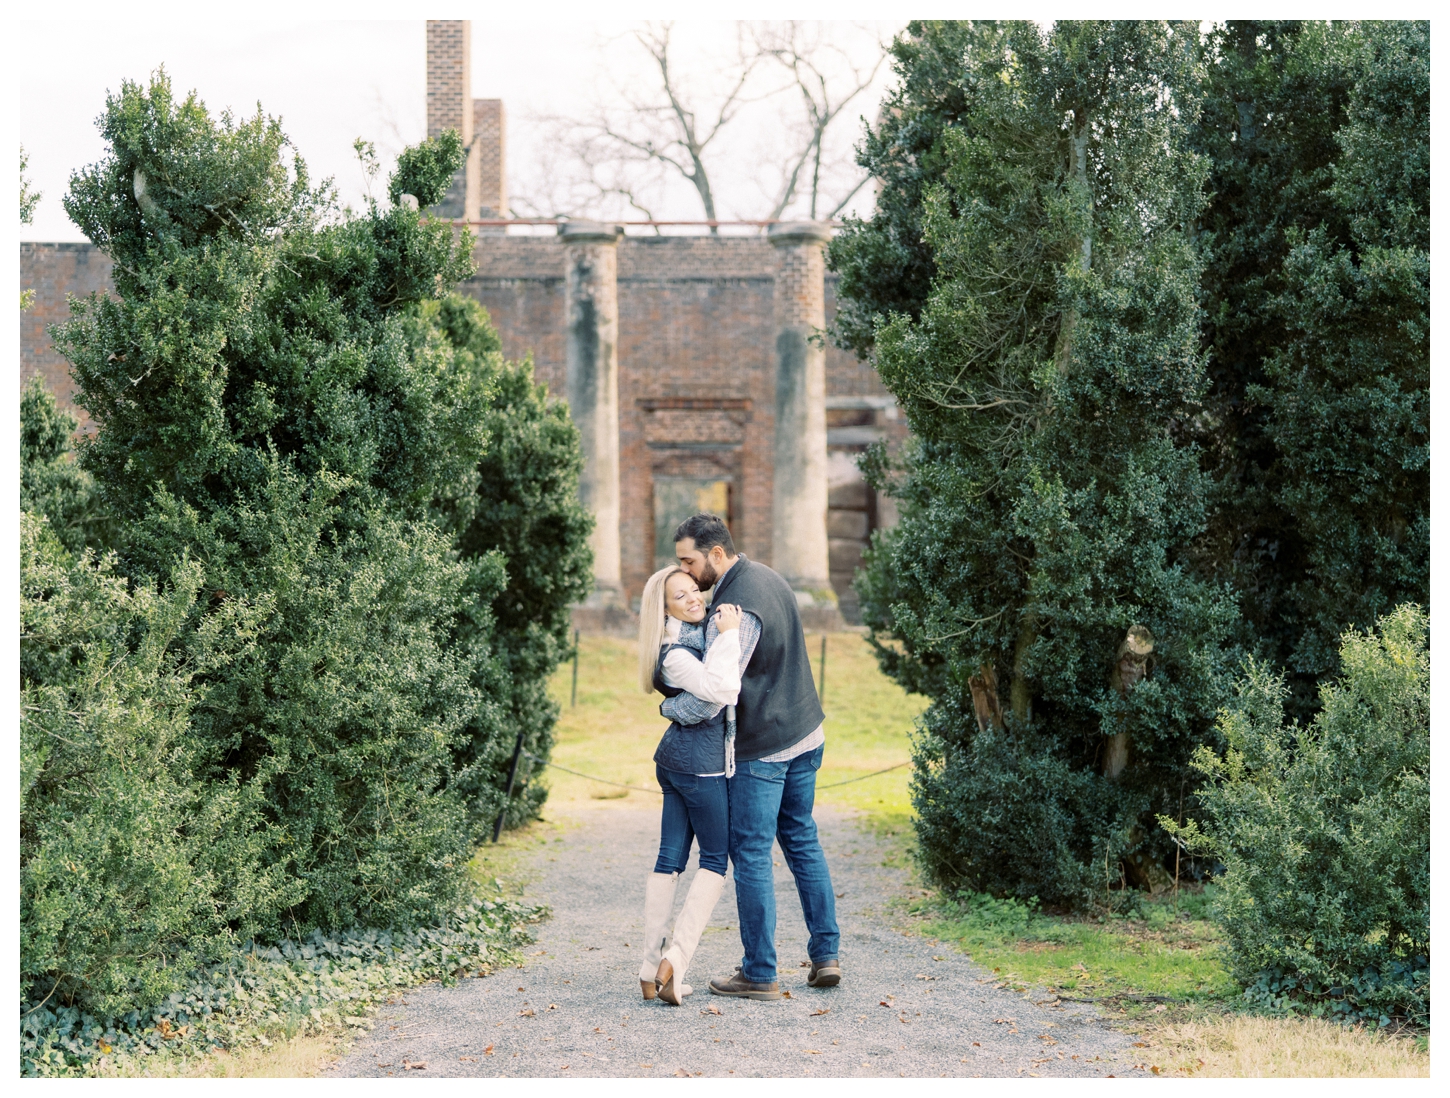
[574, 689]
[508, 794]
[823, 669]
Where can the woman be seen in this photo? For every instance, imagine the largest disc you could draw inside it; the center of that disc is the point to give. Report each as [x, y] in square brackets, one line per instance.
[692, 763]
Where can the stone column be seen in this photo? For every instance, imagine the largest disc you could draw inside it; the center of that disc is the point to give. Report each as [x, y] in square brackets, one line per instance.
[450, 107]
[799, 548]
[592, 371]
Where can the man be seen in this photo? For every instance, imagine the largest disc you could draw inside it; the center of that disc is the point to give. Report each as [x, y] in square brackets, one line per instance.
[780, 737]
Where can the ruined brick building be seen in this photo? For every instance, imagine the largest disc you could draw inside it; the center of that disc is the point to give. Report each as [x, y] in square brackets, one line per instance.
[688, 362]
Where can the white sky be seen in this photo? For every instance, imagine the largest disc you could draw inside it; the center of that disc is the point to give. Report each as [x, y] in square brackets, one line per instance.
[332, 81]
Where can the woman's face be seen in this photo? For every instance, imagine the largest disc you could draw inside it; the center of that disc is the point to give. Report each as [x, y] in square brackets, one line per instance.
[683, 599]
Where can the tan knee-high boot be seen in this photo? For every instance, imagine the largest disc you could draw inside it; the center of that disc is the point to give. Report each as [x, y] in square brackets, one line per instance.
[699, 903]
[659, 901]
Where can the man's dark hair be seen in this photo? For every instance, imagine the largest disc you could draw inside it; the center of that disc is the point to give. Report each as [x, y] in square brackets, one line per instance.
[706, 531]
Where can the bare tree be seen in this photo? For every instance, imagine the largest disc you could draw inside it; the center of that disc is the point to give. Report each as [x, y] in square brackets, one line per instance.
[786, 84]
[807, 62]
[621, 150]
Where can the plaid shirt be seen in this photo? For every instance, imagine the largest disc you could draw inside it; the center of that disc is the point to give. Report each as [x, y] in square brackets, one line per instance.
[688, 709]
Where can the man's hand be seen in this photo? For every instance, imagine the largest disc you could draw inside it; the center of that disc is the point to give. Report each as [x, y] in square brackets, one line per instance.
[727, 617]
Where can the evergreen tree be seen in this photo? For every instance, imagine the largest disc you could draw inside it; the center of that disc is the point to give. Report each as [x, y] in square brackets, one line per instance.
[1038, 583]
[51, 483]
[278, 396]
[1316, 293]
[523, 504]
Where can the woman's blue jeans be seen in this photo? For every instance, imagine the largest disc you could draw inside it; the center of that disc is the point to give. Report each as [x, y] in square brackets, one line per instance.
[770, 801]
[695, 808]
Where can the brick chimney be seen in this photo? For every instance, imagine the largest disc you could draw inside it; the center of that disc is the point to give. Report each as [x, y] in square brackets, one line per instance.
[488, 140]
[450, 107]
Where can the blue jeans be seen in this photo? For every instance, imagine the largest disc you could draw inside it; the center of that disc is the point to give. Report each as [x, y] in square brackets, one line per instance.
[771, 801]
[695, 808]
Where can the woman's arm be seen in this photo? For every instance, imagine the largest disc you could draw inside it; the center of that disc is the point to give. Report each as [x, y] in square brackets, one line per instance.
[716, 679]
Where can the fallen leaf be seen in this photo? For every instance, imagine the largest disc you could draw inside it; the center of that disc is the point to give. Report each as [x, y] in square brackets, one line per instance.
[563, 1067]
[1156, 1069]
[644, 1065]
[885, 1003]
[488, 1051]
[553, 1006]
[712, 1010]
[818, 1013]
[804, 964]
[521, 989]
[469, 1059]
[1140, 1044]
[937, 958]
[529, 1013]
[538, 953]
[681, 1073]
[598, 1029]
[840, 895]
[415, 1067]
[785, 994]
[811, 1051]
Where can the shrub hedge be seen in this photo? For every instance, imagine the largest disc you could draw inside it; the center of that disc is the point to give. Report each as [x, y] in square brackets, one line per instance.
[1324, 831]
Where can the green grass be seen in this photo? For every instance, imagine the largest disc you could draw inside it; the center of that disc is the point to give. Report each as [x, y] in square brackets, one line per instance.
[1153, 955]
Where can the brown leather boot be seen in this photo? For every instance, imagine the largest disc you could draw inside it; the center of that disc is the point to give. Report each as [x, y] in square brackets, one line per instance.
[825, 973]
[739, 987]
[668, 989]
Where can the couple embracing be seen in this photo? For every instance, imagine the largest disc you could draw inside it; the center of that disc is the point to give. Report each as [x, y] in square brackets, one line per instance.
[737, 765]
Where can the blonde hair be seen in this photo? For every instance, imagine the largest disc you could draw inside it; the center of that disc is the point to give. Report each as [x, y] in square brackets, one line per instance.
[652, 625]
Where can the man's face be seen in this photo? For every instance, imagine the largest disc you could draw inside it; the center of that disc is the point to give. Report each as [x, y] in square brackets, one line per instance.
[701, 566]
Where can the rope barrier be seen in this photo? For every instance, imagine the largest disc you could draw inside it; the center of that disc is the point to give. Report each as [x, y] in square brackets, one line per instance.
[863, 777]
[591, 777]
[643, 789]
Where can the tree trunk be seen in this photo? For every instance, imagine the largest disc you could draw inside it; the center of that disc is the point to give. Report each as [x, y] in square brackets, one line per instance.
[985, 702]
[1021, 692]
[1130, 667]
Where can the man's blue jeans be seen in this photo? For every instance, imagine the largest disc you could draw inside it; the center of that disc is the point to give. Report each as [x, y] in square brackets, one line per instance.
[771, 801]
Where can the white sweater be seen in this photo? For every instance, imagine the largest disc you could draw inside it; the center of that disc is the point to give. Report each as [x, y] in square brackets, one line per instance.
[714, 679]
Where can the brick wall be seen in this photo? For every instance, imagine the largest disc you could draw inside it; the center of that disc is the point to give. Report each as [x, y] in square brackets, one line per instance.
[696, 379]
[489, 140]
[696, 363]
[55, 271]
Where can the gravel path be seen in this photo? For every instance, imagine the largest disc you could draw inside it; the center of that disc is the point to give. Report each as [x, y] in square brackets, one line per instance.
[906, 1006]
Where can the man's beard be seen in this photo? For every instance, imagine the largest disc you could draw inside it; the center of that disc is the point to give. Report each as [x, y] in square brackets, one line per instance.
[707, 577]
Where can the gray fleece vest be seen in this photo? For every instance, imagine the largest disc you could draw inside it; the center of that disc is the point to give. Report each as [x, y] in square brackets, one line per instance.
[778, 705]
